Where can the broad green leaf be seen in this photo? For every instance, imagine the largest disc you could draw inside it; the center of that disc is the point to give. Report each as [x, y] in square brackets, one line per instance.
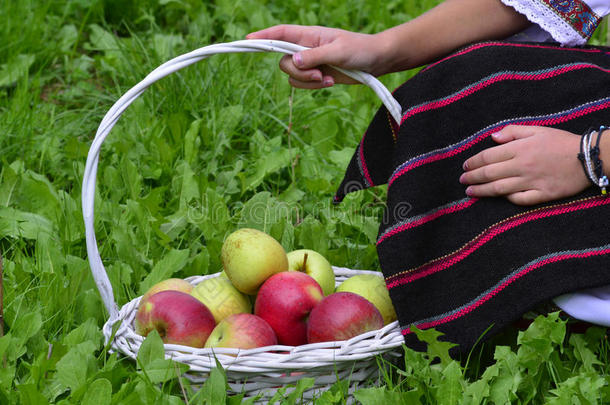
[505, 384]
[76, 366]
[49, 256]
[165, 268]
[151, 359]
[165, 44]
[68, 35]
[451, 389]
[476, 392]
[30, 395]
[15, 69]
[27, 325]
[189, 189]
[19, 224]
[151, 349]
[341, 157]
[302, 385]
[192, 142]
[9, 179]
[311, 235]
[102, 40]
[98, 393]
[583, 353]
[540, 340]
[274, 161]
[214, 390]
[436, 348]
[162, 370]
[377, 396]
[87, 331]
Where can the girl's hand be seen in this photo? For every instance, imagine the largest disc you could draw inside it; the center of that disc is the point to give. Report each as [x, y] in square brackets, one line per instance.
[330, 46]
[530, 166]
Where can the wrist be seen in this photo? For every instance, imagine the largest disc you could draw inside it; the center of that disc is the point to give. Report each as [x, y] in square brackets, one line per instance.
[390, 55]
[604, 151]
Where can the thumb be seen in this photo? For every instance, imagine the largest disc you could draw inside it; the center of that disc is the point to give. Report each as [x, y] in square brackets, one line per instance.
[310, 58]
[513, 132]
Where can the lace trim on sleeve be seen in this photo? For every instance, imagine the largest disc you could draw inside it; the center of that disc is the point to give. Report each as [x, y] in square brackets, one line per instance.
[570, 22]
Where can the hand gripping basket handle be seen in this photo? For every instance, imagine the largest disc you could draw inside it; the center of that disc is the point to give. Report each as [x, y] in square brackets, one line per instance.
[88, 194]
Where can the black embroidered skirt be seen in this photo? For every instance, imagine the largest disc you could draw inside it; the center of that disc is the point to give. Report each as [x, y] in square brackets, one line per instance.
[463, 265]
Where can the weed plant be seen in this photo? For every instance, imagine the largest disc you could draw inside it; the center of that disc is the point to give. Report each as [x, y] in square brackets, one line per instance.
[220, 145]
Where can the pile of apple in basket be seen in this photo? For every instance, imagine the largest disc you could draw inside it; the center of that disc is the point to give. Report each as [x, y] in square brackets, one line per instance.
[294, 296]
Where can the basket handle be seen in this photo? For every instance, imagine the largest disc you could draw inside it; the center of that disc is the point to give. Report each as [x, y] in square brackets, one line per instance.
[110, 119]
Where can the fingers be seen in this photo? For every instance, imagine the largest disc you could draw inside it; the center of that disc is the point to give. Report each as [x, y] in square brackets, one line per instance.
[297, 34]
[305, 78]
[328, 54]
[513, 132]
[328, 81]
[528, 197]
[497, 188]
[488, 156]
[491, 172]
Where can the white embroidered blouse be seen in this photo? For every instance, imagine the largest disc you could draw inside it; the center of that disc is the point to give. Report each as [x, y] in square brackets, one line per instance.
[569, 22]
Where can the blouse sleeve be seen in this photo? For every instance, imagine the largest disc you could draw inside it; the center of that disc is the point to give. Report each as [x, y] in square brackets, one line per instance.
[569, 22]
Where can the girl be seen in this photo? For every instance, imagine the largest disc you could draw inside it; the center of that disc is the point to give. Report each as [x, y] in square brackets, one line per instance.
[507, 195]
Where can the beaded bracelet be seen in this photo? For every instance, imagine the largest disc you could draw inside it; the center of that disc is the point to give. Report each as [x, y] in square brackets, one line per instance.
[591, 163]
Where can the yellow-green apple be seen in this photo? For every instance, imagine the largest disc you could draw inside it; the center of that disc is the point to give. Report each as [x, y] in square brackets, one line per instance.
[314, 264]
[221, 297]
[249, 257]
[373, 288]
[341, 316]
[242, 331]
[285, 301]
[176, 284]
[179, 318]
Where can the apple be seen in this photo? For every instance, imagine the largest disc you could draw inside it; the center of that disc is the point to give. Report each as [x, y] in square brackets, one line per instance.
[314, 264]
[176, 284]
[242, 331]
[249, 257]
[373, 288]
[285, 301]
[221, 297]
[341, 316]
[179, 318]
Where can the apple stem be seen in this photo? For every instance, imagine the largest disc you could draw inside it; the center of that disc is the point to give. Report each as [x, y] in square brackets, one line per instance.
[304, 261]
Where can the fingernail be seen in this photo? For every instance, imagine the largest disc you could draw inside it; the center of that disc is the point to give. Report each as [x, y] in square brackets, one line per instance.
[495, 135]
[328, 82]
[317, 77]
[465, 165]
[461, 179]
[297, 59]
[468, 191]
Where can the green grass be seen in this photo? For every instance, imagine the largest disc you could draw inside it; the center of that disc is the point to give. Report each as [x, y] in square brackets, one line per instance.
[200, 154]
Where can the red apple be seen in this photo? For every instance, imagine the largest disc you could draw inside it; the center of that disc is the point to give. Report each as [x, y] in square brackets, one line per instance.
[285, 301]
[179, 318]
[341, 316]
[242, 331]
[176, 284]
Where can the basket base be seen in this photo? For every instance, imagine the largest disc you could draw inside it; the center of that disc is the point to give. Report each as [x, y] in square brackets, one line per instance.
[265, 387]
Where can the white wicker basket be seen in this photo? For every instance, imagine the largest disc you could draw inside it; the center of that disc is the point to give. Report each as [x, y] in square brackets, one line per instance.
[257, 371]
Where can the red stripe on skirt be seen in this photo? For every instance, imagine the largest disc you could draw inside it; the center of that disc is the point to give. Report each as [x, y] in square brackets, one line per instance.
[500, 287]
[493, 231]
